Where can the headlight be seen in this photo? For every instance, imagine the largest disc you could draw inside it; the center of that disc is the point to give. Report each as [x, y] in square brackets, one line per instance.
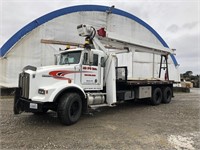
[41, 91]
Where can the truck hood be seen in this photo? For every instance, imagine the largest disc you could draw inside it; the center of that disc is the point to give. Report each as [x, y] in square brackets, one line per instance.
[54, 70]
[56, 67]
[58, 71]
[49, 77]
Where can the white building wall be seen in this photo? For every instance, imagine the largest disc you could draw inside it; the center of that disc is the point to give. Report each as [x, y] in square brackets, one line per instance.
[30, 51]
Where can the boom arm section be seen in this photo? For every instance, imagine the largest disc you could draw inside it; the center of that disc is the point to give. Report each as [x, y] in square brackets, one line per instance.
[120, 42]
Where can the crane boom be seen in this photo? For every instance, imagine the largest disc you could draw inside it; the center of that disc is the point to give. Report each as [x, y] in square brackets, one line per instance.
[119, 42]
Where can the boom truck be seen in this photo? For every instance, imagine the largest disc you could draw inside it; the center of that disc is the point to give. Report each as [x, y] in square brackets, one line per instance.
[89, 76]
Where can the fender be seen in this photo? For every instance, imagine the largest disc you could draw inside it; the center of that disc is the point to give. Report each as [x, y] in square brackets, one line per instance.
[55, 90]
[61, 89]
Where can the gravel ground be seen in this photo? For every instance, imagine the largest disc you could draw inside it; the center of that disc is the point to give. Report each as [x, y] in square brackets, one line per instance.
[126, 126]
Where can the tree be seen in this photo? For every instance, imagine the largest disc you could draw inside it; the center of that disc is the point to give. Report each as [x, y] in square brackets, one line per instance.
[188, 73]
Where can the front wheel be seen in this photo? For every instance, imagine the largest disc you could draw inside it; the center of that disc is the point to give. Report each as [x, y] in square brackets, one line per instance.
[69, 108]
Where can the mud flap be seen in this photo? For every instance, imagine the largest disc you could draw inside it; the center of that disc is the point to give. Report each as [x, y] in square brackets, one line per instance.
[17, 109]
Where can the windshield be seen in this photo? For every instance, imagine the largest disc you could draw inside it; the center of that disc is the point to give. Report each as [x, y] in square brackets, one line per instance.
[70, 58]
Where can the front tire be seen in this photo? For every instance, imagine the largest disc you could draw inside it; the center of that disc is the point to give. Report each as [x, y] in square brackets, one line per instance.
[69, 108]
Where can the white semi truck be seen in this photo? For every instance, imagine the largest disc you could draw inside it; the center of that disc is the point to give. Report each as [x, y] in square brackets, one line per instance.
[88, 76]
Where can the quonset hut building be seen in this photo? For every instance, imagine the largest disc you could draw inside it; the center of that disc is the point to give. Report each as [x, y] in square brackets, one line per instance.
[38, 42]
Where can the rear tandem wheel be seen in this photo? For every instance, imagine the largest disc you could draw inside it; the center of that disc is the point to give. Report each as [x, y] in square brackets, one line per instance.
[167, 95]
[156, 96]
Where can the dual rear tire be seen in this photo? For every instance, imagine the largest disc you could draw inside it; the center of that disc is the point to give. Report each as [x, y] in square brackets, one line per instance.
[163, 96]
[167, 95]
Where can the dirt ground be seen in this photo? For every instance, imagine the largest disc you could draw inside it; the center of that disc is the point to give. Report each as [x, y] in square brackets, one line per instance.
[127, 126]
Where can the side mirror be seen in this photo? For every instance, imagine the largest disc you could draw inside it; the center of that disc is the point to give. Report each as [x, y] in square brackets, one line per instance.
[56, 59]
[90, 57]
[103, 64]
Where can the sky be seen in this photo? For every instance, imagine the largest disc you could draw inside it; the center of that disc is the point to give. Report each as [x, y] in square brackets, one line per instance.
[177, 21]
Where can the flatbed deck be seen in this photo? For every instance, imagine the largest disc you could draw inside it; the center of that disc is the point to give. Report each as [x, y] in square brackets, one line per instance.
[145, 82]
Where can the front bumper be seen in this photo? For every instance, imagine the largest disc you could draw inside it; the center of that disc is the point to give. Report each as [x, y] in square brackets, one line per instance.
[26, 105]
[30, 106]
[23, 104]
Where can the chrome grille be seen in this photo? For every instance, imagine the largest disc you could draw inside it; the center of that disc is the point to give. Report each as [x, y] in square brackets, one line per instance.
[24, 84]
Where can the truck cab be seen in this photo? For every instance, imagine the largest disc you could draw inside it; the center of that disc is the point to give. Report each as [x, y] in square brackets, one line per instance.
[88, 66]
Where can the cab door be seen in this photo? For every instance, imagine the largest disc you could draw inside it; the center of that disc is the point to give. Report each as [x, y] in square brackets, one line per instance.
[91, 72]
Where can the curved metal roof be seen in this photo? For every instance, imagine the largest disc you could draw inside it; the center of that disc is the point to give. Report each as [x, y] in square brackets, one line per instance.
[34, 24]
